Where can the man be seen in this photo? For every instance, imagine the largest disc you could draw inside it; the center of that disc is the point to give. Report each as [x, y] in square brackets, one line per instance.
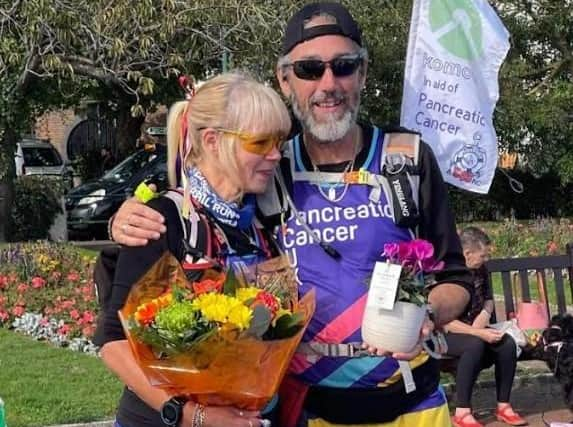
[334, 231]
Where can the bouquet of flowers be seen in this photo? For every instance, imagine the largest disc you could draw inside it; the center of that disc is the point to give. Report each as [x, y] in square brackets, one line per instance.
[416, 258]
[221, 340]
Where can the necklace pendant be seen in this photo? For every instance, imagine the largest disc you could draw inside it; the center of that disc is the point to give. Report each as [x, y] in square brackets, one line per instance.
[332, 194]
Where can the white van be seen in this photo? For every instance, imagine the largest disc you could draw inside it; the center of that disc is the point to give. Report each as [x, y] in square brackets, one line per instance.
[38, 157]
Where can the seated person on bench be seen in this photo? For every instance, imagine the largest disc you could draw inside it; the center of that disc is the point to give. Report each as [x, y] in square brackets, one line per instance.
[475, 345]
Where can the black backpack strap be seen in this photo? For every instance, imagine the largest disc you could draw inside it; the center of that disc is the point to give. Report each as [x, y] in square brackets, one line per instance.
[272, 205]
[400, 177]
[196, 249]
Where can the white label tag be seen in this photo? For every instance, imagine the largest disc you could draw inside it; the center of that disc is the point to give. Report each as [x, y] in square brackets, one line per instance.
[406, 371]
[383, 286]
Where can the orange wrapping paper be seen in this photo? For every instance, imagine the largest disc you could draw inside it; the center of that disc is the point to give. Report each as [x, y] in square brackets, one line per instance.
[245, 373]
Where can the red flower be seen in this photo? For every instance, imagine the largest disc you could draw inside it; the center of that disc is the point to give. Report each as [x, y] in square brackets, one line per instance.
[68, 304]
[22, 287]
[38, 282]
[73, 276]
[552, 247]
[64, 329]
[44, 321]
[3, 282]
[268, 300]
[75, 314]
[207, 285]
[18, 311]
[4, 315]
[88, 317]
[145, 313]
[3, 299]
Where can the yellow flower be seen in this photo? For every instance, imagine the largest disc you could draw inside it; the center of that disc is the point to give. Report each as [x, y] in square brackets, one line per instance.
[245, 294]
[240, 315]
[215, 307]
[222, 308]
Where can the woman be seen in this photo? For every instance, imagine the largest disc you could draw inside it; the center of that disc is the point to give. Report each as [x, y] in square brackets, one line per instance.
[228, 137]
[478, 346]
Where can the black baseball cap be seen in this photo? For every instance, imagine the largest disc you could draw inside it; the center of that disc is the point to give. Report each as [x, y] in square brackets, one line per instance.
[296, 32]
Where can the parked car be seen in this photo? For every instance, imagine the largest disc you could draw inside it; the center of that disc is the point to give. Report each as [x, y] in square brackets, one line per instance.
[90, 205]
[39, 157]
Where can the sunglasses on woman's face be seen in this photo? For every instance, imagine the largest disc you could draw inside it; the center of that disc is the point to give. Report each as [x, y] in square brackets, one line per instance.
[256, 144]
[313, 69]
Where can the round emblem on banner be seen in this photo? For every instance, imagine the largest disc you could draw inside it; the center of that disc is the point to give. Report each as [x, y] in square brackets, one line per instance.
[456, 25]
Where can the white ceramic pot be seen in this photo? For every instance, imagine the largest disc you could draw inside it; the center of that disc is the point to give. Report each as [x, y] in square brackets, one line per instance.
[396, 330]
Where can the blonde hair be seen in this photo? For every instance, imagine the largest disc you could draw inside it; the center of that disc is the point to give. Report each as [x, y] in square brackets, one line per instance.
[232, 101]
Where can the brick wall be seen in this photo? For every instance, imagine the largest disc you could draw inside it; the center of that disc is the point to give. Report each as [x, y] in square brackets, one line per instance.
[56, 127]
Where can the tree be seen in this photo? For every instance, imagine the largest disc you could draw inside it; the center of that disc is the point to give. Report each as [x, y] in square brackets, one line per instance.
[385, 26]
[124, 53]
[127, 54]
[535, 115]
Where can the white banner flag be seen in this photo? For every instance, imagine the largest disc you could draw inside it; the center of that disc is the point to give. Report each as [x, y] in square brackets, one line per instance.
[455, 50]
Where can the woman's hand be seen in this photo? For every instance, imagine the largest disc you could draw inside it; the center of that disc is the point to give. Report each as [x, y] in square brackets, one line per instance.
[222, 416]
[481, 320]
[489, 335]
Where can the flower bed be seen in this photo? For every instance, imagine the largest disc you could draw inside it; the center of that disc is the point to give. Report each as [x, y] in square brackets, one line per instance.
[46, 290]
[511, 238]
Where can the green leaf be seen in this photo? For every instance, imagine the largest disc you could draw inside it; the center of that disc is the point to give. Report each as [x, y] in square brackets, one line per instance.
[231, 283]
[286, 326]
[260, 322]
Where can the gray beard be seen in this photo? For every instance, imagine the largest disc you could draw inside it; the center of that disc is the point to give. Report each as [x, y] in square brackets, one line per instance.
[327, 132]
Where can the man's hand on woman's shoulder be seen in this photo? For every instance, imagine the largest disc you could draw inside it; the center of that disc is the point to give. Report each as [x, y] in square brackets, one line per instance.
[134, 224]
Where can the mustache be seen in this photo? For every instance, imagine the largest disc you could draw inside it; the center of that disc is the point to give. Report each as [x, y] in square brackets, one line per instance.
[324, 96]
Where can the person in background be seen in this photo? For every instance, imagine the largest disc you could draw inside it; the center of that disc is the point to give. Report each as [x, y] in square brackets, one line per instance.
[476, 345]
[106, 159]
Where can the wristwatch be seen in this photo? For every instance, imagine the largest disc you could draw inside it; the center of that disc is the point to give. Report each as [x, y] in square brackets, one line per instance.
[172, 411]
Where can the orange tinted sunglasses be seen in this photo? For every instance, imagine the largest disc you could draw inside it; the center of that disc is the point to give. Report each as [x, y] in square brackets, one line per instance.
[256, 144]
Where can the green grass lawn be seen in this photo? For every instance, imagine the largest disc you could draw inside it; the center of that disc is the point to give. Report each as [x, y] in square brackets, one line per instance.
[88, 252]
[42, 385]
[498, 289]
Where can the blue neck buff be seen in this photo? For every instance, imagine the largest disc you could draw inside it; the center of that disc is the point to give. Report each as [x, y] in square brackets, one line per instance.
[229, 213]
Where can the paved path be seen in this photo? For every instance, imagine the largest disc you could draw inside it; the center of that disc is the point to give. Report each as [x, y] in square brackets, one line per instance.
[536, 394]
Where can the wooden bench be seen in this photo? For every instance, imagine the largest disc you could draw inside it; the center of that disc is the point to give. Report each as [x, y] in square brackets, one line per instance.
[507, 267]
[555, 264]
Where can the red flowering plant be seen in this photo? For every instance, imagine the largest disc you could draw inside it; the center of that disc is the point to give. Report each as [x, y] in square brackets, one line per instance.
[416, 257]
[43, 284]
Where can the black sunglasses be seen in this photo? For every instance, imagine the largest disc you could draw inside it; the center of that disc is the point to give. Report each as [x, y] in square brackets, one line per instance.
[313, 69]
